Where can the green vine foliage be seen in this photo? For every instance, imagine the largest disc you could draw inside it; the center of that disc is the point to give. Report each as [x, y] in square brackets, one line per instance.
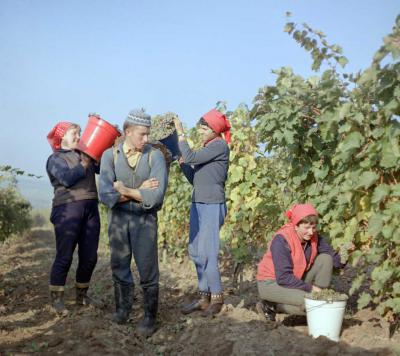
[331, 139]
[173, 218]
[254, 193]
[15, 211]
[338, 135]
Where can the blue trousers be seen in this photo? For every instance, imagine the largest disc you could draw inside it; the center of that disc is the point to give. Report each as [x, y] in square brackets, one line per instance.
[205, 222]
[136, 235]
[75, 223]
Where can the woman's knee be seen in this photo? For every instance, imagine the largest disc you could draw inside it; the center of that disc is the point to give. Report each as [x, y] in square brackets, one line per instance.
[63, 260]
[91, 261]
[277, 294]
[324, 260]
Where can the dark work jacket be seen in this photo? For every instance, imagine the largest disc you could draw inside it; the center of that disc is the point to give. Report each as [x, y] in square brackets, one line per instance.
[207, 170]
[71, 181]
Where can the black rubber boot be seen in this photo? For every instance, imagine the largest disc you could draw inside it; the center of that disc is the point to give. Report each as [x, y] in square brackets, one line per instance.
[123, 302]
[267, 310]
[57, 302]
[147, 326]
[82, 298]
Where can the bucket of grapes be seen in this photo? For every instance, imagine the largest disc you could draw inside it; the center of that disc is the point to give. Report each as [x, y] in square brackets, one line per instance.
[163, 130]
[325, 311]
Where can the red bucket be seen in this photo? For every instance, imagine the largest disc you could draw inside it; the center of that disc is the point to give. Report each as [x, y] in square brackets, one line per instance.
[97, 137]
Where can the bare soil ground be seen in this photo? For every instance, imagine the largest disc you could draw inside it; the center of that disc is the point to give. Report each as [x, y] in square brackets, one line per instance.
[27, 324]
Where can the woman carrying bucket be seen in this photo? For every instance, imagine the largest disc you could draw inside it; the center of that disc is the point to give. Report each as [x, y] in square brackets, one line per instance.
[298, 261]
[74, 214]
[206, 169]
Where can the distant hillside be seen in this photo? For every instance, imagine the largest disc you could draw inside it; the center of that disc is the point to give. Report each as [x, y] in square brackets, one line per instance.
[38, 191]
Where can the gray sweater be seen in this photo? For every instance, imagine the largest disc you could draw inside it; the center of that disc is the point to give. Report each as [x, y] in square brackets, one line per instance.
[206, 169]
[151, 165]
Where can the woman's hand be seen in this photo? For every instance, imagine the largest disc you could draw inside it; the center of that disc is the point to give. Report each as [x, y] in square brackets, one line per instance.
[315, 289]
[151, 183]
[85, 160]
[178, 125]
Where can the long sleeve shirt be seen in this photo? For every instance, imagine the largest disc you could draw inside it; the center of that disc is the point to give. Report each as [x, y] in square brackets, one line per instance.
[283, 263]
[150, 165]
[71, 181]
[206, 169]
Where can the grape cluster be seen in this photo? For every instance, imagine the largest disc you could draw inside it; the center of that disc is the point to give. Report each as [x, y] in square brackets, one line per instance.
[162, 126]
[327, 294]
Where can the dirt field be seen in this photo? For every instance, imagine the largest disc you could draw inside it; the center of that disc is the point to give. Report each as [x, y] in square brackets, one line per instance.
[28, 326]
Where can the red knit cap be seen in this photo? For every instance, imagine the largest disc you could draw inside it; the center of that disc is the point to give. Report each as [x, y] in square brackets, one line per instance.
[299, 211]
[219, 123]
[57, 133]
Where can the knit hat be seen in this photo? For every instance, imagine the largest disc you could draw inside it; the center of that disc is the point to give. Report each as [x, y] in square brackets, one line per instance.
[219, 123]
[138, 117]
[299, 211]
[57, 133]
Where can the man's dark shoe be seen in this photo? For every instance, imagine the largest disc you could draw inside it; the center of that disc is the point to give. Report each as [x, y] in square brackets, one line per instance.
[123, 302]
[201, 303]
[147, 326]
[266, 310]
[120, 316]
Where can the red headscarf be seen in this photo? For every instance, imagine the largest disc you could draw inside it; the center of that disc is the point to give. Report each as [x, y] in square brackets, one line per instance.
[57, 133]
[299, 211]
[266, 268]
[219, 123]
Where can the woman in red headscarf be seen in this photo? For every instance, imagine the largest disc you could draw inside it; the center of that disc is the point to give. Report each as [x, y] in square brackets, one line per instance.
[74, 213]
[297, 262]
[206, 169]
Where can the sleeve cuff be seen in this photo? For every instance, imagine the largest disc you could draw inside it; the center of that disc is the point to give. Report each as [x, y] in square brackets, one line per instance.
[308, 287]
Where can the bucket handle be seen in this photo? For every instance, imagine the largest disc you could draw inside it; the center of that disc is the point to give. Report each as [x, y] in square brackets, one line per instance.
[321, 305]
[316, 307]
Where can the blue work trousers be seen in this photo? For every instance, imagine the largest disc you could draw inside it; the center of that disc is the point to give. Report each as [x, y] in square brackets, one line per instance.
[205, 223]
[133, 234]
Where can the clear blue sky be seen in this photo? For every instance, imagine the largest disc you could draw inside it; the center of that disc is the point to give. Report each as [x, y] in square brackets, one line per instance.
[60, 60]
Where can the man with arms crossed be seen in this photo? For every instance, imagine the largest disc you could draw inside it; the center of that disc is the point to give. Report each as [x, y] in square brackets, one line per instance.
[133, 180]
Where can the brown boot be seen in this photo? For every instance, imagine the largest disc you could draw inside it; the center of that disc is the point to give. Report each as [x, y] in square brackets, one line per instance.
[217, 301]
[82, 298]
[57, 302]
[199, 304]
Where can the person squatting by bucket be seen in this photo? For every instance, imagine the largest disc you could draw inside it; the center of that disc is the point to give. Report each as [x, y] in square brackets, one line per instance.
[297, 262]
[133, 181]
[74, 213]
[207, 170]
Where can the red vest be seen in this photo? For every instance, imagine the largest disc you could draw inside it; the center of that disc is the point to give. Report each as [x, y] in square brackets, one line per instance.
[266, 269]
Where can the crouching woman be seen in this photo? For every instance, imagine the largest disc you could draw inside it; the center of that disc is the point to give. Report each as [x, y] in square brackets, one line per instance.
[298, 261]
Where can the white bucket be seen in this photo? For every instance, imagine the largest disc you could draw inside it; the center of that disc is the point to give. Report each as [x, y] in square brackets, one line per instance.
[325, 317]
